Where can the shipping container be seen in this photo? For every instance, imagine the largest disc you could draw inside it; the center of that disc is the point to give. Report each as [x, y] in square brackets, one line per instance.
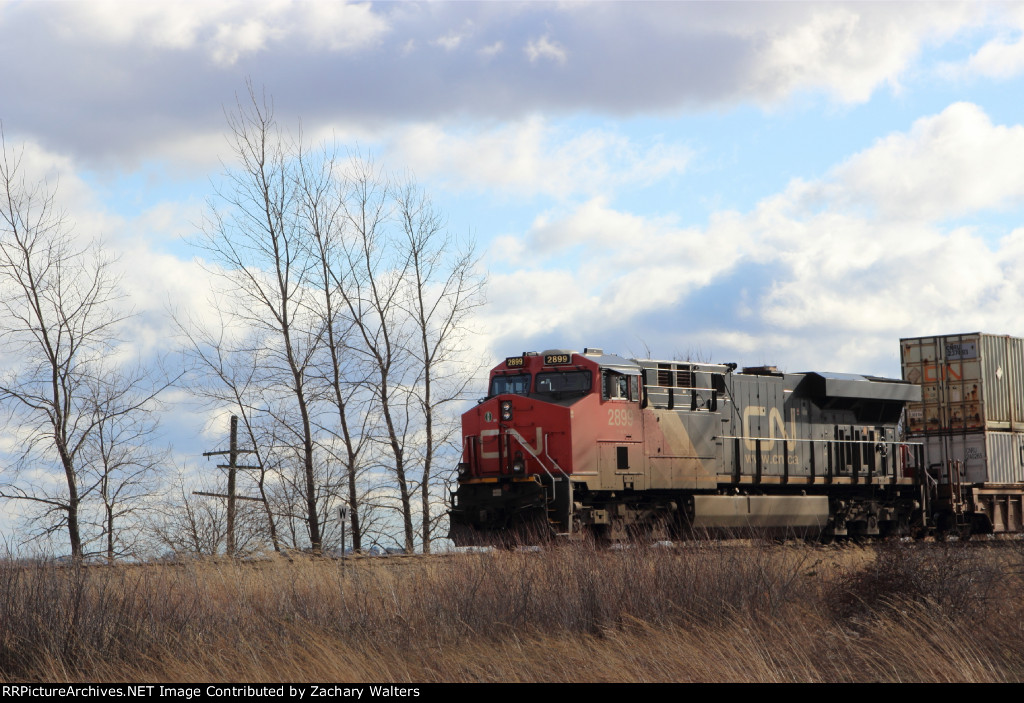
[985, 457]
[969, 382]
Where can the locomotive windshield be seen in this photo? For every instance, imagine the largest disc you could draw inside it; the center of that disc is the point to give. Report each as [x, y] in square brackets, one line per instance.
[563, 384]
[518, 383]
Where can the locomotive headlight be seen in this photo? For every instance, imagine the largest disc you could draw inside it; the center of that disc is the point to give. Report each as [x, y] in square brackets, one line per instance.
[518, 466]
[463, 468]
[506, 410]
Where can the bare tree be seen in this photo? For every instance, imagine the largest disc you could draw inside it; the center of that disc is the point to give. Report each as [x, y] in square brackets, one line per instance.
[322, 211]
[227, 373]
[376, 272]
[252, 231]
[122, 461]
[356, 299]
[58, 329]
[187, 523]
[442, 290]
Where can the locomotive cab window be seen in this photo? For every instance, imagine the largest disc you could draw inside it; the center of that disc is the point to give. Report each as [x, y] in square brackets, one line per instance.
[619, 386]
[563, 384]
[517, 383]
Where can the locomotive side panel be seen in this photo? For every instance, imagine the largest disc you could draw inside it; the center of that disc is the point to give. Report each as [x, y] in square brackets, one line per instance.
[767, 443]
[773, 429]
[608, 431]
[674, 459]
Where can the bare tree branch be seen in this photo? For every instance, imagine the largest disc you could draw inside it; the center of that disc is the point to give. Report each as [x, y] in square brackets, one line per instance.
[58, 326]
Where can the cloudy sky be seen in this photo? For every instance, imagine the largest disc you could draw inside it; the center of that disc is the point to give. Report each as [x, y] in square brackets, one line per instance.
[796, 183]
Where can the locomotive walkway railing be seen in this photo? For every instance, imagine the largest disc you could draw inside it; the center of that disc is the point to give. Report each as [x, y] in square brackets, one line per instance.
[846, 453]
[672, 398]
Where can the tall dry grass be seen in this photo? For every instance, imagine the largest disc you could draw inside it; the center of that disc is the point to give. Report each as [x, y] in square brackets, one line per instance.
[711, 612]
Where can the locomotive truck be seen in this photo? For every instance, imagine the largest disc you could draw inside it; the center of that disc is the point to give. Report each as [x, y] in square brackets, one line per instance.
[575, 444]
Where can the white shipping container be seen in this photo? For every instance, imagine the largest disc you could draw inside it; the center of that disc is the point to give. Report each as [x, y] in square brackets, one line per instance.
[969, 382]
[986, 457]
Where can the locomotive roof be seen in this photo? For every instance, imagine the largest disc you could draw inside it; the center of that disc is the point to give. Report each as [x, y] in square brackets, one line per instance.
[850, 385]
[614, 361]
[812, 383]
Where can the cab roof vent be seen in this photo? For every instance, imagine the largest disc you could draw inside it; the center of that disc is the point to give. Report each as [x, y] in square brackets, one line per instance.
[762, 370]
[593, 351]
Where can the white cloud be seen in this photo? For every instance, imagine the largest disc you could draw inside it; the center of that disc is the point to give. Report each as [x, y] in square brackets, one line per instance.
[175, 26]
[1002, 57]
[46, 173]
[453, 39]
[544, 48]
[449, 42]
[612, 266]
[492, 50]
[14, 438]
[827, 274]
[149, 278]
[342, 26]
[233, 40]
[37, 164]
[849, 50]
[226, 29]
[947, 165]
[533, 157]
[865, 251]
[846, 49]
[144, 73]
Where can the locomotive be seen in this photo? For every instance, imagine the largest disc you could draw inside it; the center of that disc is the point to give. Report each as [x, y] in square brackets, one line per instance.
[593, 444]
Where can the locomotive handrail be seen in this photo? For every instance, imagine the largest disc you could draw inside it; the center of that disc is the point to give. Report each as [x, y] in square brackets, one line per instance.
[652, 394]
[680, 388]
[540, 461]
[827, 439]
[553, 462]
[568, 484]
[885, 445]
[650, 389]
[554, 479]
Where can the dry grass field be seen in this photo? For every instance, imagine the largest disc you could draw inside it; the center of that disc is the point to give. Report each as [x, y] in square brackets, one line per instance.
[702, 612]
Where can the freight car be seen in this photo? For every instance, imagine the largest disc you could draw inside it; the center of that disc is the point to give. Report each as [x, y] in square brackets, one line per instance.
[589, 443]
[970, 420]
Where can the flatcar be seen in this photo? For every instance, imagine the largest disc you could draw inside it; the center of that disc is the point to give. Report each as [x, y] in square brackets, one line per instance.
[592, 444]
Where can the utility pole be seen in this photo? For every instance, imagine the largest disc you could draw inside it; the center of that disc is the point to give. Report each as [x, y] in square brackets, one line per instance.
[232, 467]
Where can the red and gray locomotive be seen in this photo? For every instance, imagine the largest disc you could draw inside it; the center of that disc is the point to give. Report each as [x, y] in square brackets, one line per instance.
[574, 443]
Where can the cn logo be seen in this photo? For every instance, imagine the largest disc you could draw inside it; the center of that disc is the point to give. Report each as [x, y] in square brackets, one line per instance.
[534, 450]
[775, 421]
